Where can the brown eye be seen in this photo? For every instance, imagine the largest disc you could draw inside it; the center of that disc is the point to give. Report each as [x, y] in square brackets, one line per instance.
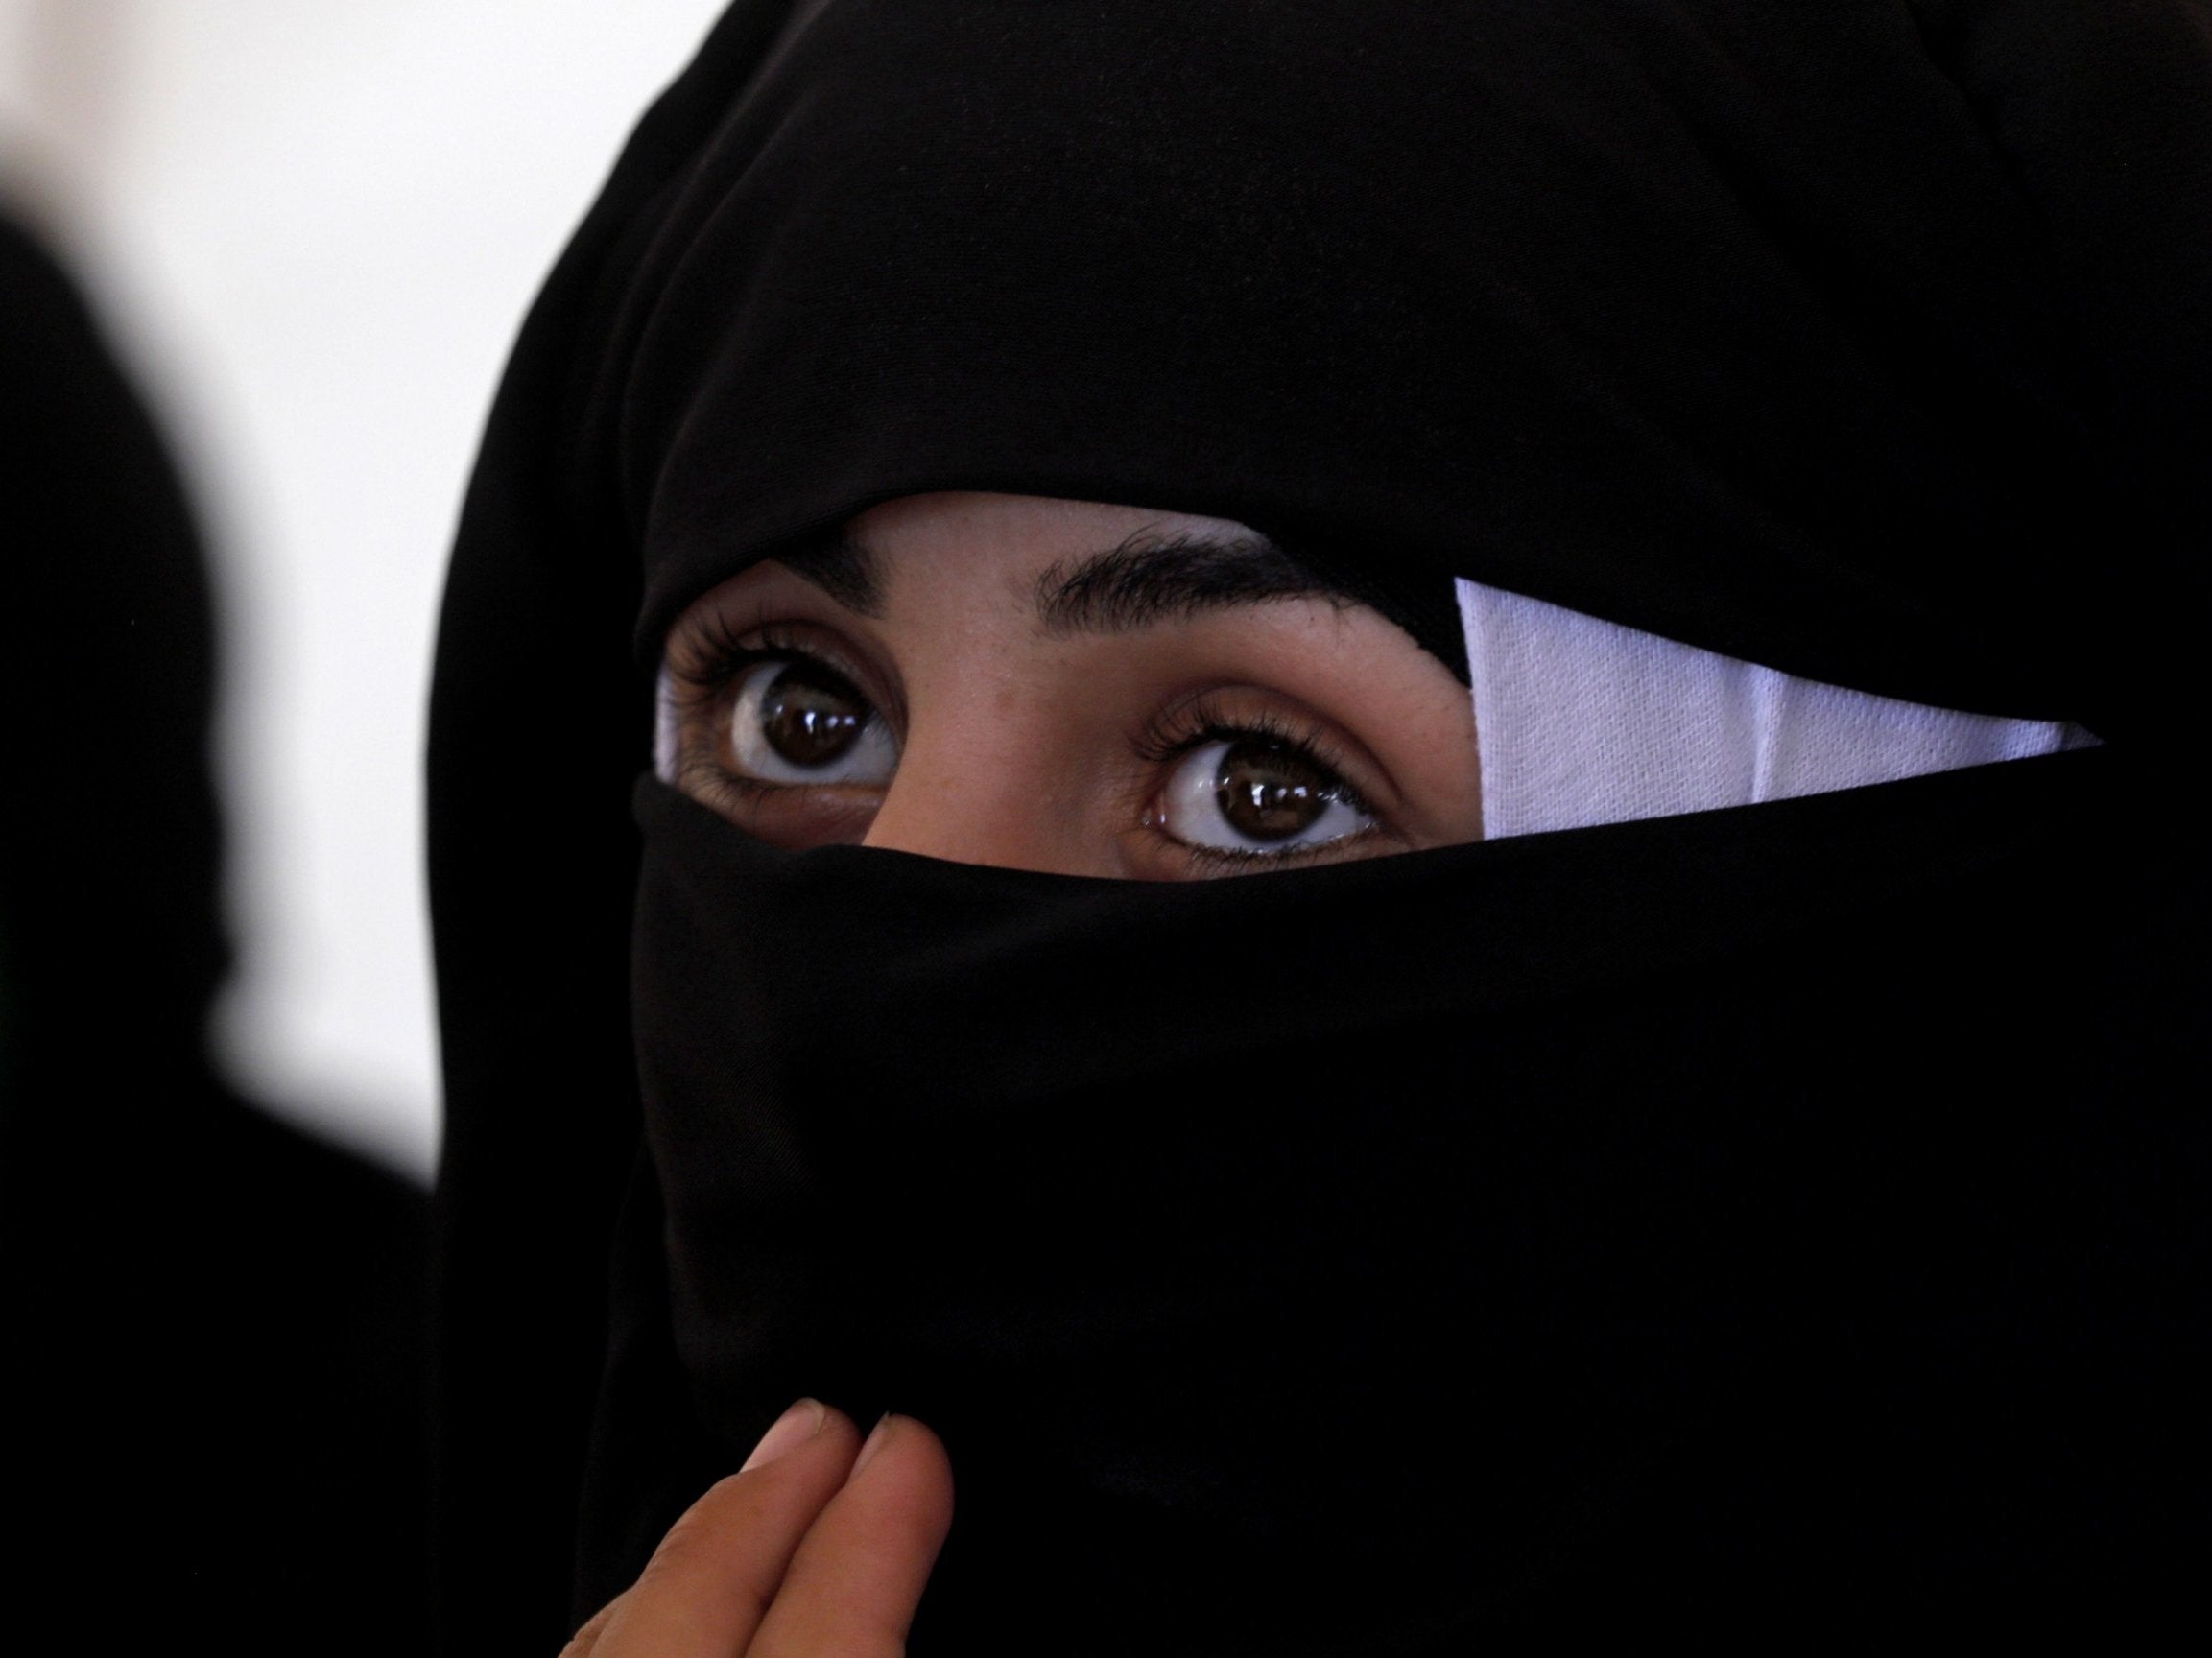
[1254, 795]
[808, 718]
[1271, 793]
[797, 722]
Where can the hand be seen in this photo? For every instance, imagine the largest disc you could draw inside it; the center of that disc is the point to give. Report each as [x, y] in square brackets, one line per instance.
[818, 1547]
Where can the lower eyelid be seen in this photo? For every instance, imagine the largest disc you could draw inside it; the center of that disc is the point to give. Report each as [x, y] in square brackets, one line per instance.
[790, 816]
[1221, 862]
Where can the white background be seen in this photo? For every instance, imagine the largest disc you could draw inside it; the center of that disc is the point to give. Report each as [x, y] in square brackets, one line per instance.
[313, 227]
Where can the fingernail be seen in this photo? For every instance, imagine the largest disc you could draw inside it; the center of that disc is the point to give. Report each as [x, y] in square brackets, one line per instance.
[793, 1429]
[874, 1444]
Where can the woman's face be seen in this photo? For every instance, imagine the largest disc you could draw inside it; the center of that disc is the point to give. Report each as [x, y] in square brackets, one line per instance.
[1069, 687]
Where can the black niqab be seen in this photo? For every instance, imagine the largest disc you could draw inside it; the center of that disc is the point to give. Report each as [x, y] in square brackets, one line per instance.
[1789, 1212]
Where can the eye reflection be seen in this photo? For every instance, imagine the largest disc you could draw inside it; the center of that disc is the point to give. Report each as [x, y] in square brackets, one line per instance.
[796, 722]
[1258, 796]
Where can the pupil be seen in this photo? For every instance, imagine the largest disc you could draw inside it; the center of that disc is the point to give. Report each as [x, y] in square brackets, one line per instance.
[1270, 793]
[811, 719]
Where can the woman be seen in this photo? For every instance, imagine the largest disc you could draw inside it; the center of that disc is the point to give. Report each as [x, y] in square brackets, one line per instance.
[1704, 1219]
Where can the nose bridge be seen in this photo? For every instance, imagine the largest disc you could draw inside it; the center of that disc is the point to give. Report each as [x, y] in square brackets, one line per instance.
[964, 812]
[977, 784]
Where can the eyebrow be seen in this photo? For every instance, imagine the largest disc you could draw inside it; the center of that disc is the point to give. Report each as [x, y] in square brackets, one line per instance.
[848, 572]
[1148, 578]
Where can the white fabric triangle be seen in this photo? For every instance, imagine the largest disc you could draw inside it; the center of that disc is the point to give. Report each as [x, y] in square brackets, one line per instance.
[1583, 722]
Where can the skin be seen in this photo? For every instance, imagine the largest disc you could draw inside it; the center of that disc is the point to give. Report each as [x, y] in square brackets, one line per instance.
[1020, 743]
[819, 1547]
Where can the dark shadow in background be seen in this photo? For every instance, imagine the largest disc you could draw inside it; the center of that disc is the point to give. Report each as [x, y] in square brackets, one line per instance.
[215, 1322]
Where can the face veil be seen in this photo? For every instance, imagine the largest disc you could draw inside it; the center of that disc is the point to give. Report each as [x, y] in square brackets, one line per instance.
[1792, 1207]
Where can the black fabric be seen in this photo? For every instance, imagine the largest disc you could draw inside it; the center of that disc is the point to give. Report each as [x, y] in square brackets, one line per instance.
[217, 1323]
[1310, 1271]
[1787, 1210]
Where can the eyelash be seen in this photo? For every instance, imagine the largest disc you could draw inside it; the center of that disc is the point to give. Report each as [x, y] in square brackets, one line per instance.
[1189, 725]
[725, 651]
[722, 654]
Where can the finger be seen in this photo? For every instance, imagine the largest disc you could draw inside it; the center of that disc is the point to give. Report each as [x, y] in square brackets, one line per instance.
[852, 1589]
[585, 1641]
[705, 1591]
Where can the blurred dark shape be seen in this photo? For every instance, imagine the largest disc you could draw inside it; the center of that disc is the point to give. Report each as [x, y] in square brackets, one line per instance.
[216, 1319]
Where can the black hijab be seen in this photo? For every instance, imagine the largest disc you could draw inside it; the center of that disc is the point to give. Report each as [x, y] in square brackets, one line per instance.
[1792, 1212]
